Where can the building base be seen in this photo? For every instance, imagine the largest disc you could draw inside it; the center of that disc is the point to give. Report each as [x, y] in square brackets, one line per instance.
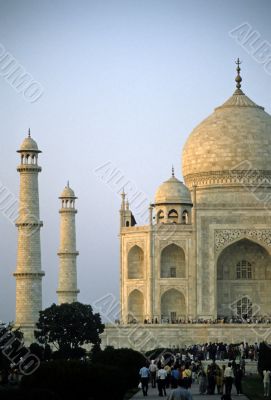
[145, 337]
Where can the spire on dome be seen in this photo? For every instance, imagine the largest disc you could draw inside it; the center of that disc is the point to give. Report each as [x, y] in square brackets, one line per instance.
[68, 184]
[29, 133]
[238, 78]
[172, 171]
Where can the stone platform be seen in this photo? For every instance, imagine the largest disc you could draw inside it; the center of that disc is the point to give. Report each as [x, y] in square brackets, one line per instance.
[144, 337]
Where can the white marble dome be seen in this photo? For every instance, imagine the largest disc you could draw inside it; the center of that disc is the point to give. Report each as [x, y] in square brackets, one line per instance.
[29, 144]
[237, 135]
[67, 193]
[172, 191]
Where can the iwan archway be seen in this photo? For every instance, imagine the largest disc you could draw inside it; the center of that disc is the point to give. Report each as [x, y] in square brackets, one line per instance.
[244, 281]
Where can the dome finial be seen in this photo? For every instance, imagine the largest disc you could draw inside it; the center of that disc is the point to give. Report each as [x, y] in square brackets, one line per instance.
[68, 184]
[172, 171]
[238, 78]
[29, 133]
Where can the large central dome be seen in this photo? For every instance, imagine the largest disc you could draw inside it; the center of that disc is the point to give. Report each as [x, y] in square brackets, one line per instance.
[236, 137]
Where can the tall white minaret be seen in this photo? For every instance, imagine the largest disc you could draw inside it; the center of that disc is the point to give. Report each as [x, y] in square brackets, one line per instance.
[67, 282]
[28, 272]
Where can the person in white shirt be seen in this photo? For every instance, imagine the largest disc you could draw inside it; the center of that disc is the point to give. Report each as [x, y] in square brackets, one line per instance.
[266, 382]
[228, 376]
[153, 370]
[161, 381]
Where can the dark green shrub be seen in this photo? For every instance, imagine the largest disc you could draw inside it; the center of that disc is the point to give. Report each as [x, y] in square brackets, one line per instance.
[75, 379]
[264, 361]
[127, 360]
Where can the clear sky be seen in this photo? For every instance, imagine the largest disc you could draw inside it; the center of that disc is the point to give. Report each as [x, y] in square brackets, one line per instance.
[125, 82]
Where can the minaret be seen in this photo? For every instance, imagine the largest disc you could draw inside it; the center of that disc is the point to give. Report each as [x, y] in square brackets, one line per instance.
[28, 273]
[67, 283]
[126, 216]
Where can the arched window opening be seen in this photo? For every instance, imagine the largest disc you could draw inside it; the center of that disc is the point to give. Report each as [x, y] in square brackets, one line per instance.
[185, 217]
[160, 216]
[172, 262]
[173, 216]
[127, 223]
[243, 270]
[135, 263]
[172, 306]
[244, 308]
[135, 306]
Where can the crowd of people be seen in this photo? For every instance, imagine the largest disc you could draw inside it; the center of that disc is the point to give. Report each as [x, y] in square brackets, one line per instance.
[211, 380]
[218, 351]
[180, 368]
[220, 320]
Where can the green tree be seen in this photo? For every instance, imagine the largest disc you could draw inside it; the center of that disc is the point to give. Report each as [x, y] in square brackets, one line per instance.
[264, 361]
[11, 348]
[127, 360]
[67, 327]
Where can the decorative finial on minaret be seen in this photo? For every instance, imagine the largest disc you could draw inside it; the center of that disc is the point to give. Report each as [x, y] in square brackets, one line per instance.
[123, 195]
[68, 184]
[29, 133]
[238, 78]
[172, 171]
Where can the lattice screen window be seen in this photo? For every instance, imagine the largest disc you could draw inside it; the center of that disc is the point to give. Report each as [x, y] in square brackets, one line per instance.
[243, 270]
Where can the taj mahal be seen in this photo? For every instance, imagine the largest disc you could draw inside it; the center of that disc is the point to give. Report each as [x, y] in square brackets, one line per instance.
[202, 262]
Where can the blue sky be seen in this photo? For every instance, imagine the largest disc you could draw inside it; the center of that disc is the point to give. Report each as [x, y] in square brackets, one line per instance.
[124, 82]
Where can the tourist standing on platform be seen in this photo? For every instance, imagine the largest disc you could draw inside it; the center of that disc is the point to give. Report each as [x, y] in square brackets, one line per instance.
[228, 377]
[153, 371]
[175, 377]
[219, 380]
[211, 376]
[202, 381]
[144, 374]
[181, 393]
[266, 382]
[161, 381]
[238, 376]
[168, 370]
[187, 376]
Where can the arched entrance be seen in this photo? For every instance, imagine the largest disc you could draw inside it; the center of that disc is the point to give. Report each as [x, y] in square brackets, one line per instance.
[243, 280]
[135, 306]
[172, 262]
[172, 306]
[135, 263]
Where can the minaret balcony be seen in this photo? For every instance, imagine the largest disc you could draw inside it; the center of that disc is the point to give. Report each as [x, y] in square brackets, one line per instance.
[29, 168]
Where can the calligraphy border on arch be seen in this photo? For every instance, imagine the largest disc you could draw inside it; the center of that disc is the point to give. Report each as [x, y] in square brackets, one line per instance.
[223, 237]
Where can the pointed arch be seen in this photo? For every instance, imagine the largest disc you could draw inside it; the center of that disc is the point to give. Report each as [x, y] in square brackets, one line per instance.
[243, 269]
[173, 305]
[185, 217]
[173, 216]
[172, 262]
[160, 216]
[135, 263]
